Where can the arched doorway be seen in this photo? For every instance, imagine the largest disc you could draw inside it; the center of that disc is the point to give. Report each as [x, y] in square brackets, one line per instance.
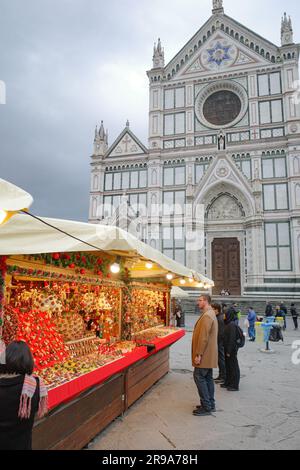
[226, 267]
[224, 220]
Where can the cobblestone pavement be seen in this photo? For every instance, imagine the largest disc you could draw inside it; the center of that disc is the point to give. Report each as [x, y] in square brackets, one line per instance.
[264, 414]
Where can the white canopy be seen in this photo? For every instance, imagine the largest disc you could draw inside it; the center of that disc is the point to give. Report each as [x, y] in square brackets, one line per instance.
[23, 235]
[177, 293]
[13, 198]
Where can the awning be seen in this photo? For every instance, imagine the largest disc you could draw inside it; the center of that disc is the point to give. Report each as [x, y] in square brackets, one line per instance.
[23, 235]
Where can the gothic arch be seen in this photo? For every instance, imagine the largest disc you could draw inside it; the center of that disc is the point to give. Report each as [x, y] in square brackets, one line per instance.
[154, 177]
[224, 206]
[236, 196]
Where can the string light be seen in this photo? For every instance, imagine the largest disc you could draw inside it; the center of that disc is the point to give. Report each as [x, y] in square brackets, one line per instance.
[169, 276]
[149, 265]
[191, 280]
[182, 281]
[115, 268]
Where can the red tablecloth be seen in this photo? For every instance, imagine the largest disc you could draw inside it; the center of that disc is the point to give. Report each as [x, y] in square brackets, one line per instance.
[69, 390]
[161, 343]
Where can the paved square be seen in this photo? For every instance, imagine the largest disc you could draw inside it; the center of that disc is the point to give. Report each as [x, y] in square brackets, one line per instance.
[265, 414]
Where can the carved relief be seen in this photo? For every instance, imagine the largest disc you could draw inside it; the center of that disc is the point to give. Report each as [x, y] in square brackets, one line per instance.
[224, 208]
[222, 171]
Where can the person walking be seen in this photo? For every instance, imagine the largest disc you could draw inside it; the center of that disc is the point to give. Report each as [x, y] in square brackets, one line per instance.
[205, 356]
[221, 354]
[279, 313]
[231, 351]
[178, 314]
[21, 396]
[251, 320]
[295, 316]
[269, 310]
[285, 312]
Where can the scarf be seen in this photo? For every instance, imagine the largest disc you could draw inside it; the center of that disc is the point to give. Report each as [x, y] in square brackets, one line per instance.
[28, 391]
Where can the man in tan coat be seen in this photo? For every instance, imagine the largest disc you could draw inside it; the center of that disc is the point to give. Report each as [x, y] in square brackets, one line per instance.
[205, 356]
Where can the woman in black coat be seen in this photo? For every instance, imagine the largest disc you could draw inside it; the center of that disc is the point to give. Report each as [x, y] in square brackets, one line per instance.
[231, 350]
[20, 395]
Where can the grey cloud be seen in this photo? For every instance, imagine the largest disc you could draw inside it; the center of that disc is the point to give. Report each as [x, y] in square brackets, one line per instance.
[67, 64]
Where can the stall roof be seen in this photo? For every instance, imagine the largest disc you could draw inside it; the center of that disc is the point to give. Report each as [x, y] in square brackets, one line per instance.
[178, 293]
[24, 235]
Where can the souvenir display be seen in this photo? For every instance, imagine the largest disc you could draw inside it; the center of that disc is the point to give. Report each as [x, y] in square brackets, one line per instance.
[152, 333]
[144, 309]
[77, 323]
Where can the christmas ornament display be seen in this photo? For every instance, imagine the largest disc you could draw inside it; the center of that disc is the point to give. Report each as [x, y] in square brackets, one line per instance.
[143, 308]
[39, 332]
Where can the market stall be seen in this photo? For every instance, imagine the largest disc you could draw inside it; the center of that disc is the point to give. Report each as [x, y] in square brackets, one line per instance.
[95, 317]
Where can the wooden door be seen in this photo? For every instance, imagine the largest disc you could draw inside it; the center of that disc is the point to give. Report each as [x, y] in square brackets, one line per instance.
[226, 271]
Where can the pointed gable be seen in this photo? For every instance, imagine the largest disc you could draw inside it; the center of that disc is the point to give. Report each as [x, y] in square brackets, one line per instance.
[224, 170]
[221, 43]
[127, 144]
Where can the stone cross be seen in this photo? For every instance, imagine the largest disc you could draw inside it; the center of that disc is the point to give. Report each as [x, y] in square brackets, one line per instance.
[127, 140]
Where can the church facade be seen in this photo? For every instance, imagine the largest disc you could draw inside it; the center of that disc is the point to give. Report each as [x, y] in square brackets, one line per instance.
[224, 135]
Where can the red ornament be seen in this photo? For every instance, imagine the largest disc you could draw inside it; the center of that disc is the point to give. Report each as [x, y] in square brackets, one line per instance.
[82, 271]
[56, 256]
[72, 265]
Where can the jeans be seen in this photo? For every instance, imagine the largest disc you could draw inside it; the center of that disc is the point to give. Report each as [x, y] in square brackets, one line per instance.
[206, 387]
[251, 332]
[221, 362]
[232, 371]
[295, 320]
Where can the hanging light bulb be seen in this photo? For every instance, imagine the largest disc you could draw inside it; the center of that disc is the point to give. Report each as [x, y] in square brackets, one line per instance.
[169, 276]
[200, 284]
[191, 280]
[115, 268]
[182, 281]
[149, 265]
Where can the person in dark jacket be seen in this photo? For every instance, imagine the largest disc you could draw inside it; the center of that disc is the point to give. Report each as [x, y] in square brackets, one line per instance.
[285, 312]
[221, 354]
[21, 396]
[269, 310]
[231, 351]
[279, 313]
[294, 316]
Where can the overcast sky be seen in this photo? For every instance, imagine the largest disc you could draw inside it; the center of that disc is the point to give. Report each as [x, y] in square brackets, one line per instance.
[67, 64]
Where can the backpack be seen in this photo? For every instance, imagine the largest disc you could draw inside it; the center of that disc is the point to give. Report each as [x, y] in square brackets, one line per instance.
[240, 338]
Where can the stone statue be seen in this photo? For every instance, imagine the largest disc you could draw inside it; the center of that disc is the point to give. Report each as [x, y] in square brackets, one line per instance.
[217, 4]
[221, 140]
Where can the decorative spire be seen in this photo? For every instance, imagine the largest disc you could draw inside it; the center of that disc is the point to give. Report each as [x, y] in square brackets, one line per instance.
[100, 141]
[158, 56]
[286, 31]
[102, 132]
[127, 124]
[217, 7]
